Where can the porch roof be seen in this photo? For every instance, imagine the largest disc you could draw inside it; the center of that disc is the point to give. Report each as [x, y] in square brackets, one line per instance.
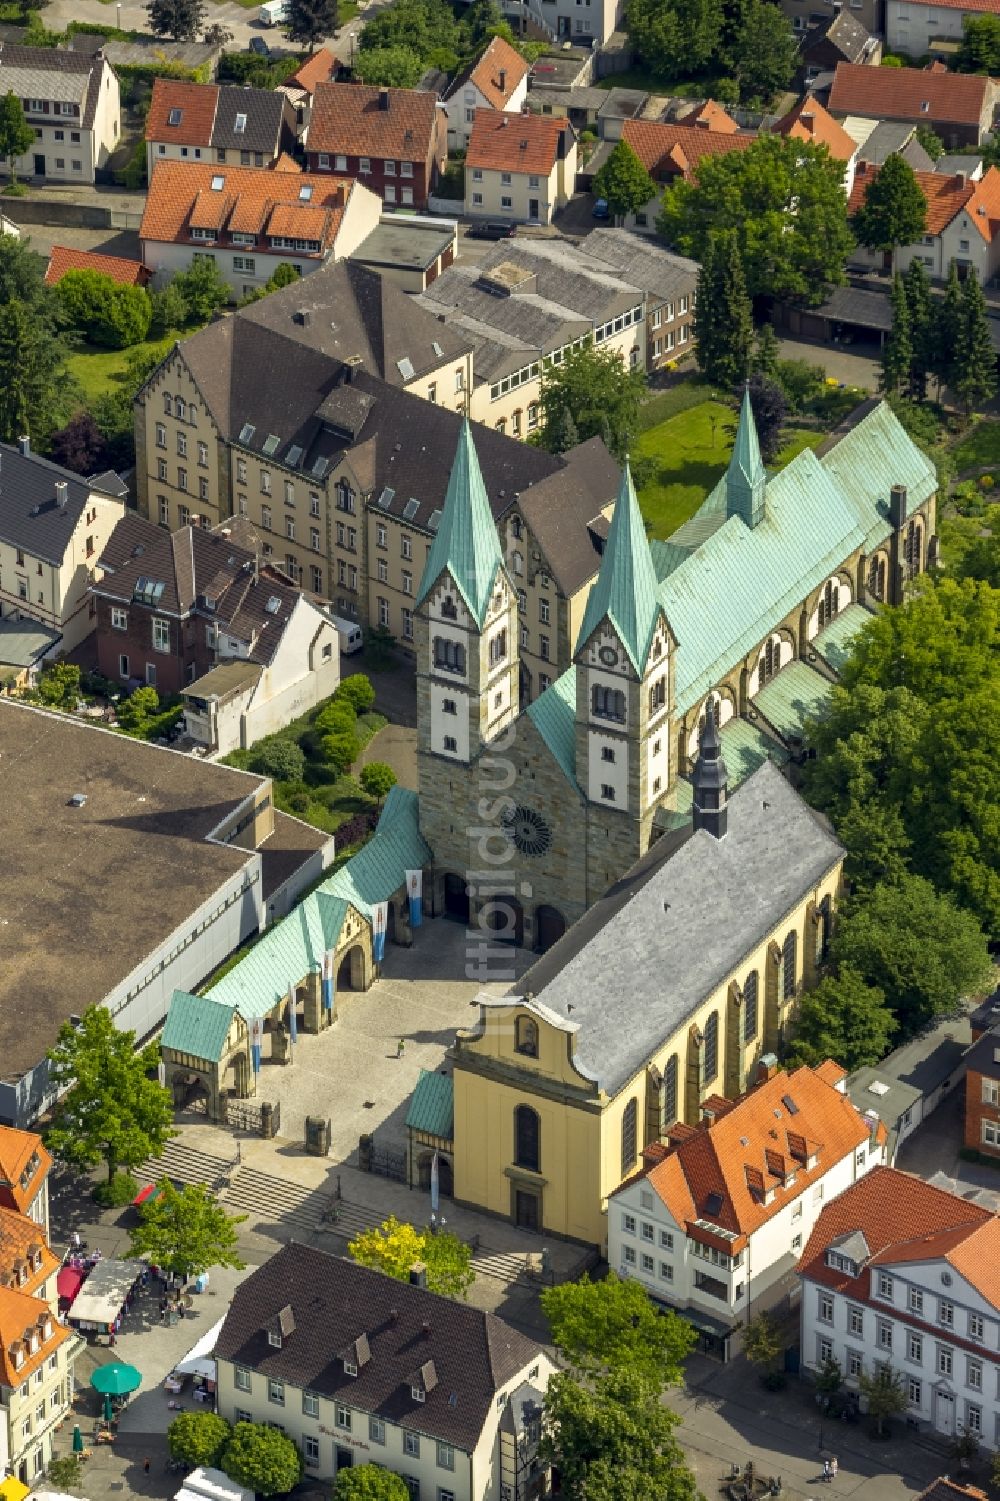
[197, 1025]
[432, 1106]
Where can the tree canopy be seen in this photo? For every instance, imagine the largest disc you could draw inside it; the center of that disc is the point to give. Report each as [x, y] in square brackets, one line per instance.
[16, 135]
[624, 182]
[103, 311]
[181, 20]
[760, 50]
[974, 378]
[309, 21]
[723, 318]
[35, 389]
[394, 1247]
[186, 1230]
[389, 67]
[613, 1325]
[198, 1438]
[784, 199]
[844, 1019]
[262, 1458]
[600, 395]
[370, 1482]
[675, 37]
[894, 210]
[980, 49]
[111, 1111]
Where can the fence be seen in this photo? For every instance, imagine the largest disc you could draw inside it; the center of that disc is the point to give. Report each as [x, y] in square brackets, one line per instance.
[257, 1116]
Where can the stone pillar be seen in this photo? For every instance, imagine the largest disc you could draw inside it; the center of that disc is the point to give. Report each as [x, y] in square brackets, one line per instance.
[314, 1017]
[803, 632]
[281, 1047]
[772, 997]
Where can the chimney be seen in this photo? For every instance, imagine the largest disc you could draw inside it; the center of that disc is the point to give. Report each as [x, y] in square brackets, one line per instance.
[62, 491]
[767, 1067]
[426, 1325]
[503, 80]
[897, 507]
[24, 446]
[418, 1275]
[302, 316]
[383, 98]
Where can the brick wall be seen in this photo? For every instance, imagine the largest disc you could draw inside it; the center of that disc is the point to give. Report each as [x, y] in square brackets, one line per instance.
[976, 1111]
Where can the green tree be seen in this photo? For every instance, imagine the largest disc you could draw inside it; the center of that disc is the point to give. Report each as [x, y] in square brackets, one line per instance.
[203, 288]
[884, 1394]
[369, 1482]
[262, 1458]
[394, 1247]
[388, 67]
[186, 1231]
[340, 750]
[562, 434]
[277, 757]
[981, 560]
[894, 209]
[947, 331]
[357, 691]
[829, 1378]
[103, 311]
[765, 360]
[767, 402]
[844, 1019]
[309, 21]
[897, 351]
[613, 1325]
[675, 37]
[198, 1438]
[975, 379]
[181, 20]
[801, 381]
[377, 779]
[980, 49]
[785, 201]
[59, 685]
[21, 275]
[337, 717]
[723, 318]
[111, 1112]
[65, 1471]
[761, 51]
[600, 394]
[35, 389]
[930, 141]
[761, 1342]
[921, 313]
[16, 135]
[169, 311]
[613, 1440]
[285, 275]
[427, 29]
[624, 182]
[135, 712]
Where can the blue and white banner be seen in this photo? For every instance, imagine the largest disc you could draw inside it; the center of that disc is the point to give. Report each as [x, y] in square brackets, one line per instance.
[329, 976]
[380, 916]
[293, 1021]
[435, 1184]
[256, 1042]
[414, 890]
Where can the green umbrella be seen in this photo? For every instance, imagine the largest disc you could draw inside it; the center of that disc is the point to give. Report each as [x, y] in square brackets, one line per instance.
[77, 1439]
[116, 1378]
[109, 1411]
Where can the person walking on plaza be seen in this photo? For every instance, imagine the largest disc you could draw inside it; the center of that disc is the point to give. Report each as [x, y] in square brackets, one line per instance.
[834, 1467]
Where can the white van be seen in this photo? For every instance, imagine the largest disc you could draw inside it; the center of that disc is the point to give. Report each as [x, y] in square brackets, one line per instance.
[273, 12]
[351, 635]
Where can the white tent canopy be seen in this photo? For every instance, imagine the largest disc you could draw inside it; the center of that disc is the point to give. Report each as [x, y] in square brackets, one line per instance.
[198, 1360]
[212, 1485]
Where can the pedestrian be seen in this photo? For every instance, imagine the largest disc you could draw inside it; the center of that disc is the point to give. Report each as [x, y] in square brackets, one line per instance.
[827, 1471]
[834, 1467]
[75, 1240]
[401, 1044]
[145, 1466]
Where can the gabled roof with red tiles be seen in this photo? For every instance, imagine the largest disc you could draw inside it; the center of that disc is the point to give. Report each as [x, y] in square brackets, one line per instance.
[905, 1220]
[668, 150]
[25, 1259]
[950, 1490]
[24, 1162]
[946, 197]
[809, 121]
[62, 259]
[314, 71]
[715, 117]
[25, 1321]
[502, 141]
[356, 120]
[195, 103]
[974, 7]
[830, 1072]
[907, 94]
[499, 57]
[754, 1158]
[285, 163]
[244, 200]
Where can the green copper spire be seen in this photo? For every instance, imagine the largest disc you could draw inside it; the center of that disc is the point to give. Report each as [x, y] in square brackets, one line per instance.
[466, 544]
[625, 591]
[746, 476]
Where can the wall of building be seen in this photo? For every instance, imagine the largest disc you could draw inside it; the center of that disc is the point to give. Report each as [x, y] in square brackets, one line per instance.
[57, 595]
[42, 1405]
[910, 27]
[489, 197]
[305, 670]
[461, 110]
[982, 1113]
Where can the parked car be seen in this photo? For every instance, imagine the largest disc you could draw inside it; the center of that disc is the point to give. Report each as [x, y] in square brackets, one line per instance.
[492, 230]
[259, 46]
[601, 209]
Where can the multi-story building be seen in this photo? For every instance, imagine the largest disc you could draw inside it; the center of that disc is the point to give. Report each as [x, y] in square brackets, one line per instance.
[982, 1095]
[395, 141]
[71, 101]
[957, 106]
[963, 224]
[358, 1368]
[715, 1221]
[220, 123]
[898, 1273]
[250, 222]
[912, 27]
[519, 168]
[809, 121]
[669, 281]
[498, 80]
[24, 1176]
[669, 152]
[53, 528]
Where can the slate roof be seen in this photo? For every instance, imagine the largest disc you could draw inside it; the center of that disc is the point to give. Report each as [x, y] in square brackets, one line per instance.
[854, 305]
[466, 544]
[724, 897]
[626, 591]
[51, 73]
[506, 142]
[197, 1026]
[560, 509]
[334, 1302]
[959, 161]
[348, 117]
[120, 268]
[662, 274]
[432, 1105]
[843, 31]
[30, 516]
[888, 138]
[207, 116]
[901, 93]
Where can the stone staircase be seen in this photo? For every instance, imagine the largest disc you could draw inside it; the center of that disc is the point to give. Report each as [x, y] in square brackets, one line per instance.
[502, 1266]
[184, 1164]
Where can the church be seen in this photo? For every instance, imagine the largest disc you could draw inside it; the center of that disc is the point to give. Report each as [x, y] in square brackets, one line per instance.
[748, 609]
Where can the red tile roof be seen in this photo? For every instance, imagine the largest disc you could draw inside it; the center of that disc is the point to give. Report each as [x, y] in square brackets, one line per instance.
[21, 1318]
[902, 93]
[23, 1253]
[62, 259]
[757, 1142]
[24, 1162]
[946, 196]
[197, 103]
[975, 7]
[950, 1490]
[809, 121]
[499, 57]
[314, 71]
[669, 150]
[243, 200]
[393, 124]
[715, 116]
[506, 142]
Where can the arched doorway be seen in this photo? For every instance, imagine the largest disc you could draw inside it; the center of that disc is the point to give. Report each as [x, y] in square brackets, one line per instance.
[550, 925]
[503, 916]
[446, 1177]
[191, 1092]
[456, 898]
[351, 970]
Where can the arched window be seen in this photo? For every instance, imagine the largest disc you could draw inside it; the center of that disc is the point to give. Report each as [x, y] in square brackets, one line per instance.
[912, 550]
[516, 526]
[630, 1136]
[658, 694]
[825, 915]
[876, 578]
[669, 1111]
[526, 1039]
[527, 1138]
[449, 655]
[609, 703]
[829, 602]
[769, 661]
[518, 562]
[167, 403]
[711, 1049]
[750, 1007]
[788, 954]
[449, 609]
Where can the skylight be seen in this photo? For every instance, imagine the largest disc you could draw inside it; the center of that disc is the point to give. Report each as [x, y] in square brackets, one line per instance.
[320, 467]
[271, 444]
[385, 499]
[147, 591]
[437, 348]
[246, 432]
[405, 367]
[174, 117]
[410, 509]
[241, 124]
[305, 193]
[218, 183]
[293, 455]
[434, 521]
[273, 605]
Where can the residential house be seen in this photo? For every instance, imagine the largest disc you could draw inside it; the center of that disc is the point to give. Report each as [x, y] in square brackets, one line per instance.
[951, 1490]
[903, 1274]
[805, 14]
[219, 123]
[120, 268]
[53, 527]
[957, 106]
[877, 140]
[912, 27]
[972, 163]
[519, 168]
[358, 1367]
[193, 611]
[300, 87]
[72, 103]
[669, 281]
[809, 121]
[587, 108]
[986, 1016]
[527, 304]
[715, 1220]
[586, 26]
[982, 1096]
[911, 1081]
[963, 224]
[669, 152]
[836, 38]
[497, 80]
[395, 141]
[24, 1176]
[250, 222]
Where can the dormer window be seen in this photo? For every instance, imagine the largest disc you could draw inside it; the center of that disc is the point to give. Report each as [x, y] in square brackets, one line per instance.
[350, 1369]
[241, 124]
[274, 1338]
[448, 608]
[175, 116]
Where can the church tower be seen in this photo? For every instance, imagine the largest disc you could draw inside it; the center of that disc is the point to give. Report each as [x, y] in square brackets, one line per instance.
[624, 699]
[465, 626]
[710, 781]
[746, 477]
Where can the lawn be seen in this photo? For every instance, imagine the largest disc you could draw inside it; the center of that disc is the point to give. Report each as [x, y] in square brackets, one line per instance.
[980, 445]
[690, 451]
[95, 369]
[649, 82]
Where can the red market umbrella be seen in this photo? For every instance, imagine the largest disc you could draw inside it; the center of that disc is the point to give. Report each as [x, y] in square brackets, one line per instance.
[68, 1282]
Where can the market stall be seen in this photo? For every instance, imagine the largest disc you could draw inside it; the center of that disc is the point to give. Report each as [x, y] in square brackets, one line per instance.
[69, 1281]
[106, 1297]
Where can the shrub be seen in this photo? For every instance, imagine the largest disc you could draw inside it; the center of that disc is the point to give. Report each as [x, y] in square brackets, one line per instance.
[356, 690]
[170, 310]
[134, 711]
[103, 311]
[60, 685]
[263, 1459]
[986, 482]
[121, 1190]
[278, 758]
[355, 830]
[340, 750]
[337, 717]
[377, 778]
[66, 1472]
[801, 382]
[299, 802]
